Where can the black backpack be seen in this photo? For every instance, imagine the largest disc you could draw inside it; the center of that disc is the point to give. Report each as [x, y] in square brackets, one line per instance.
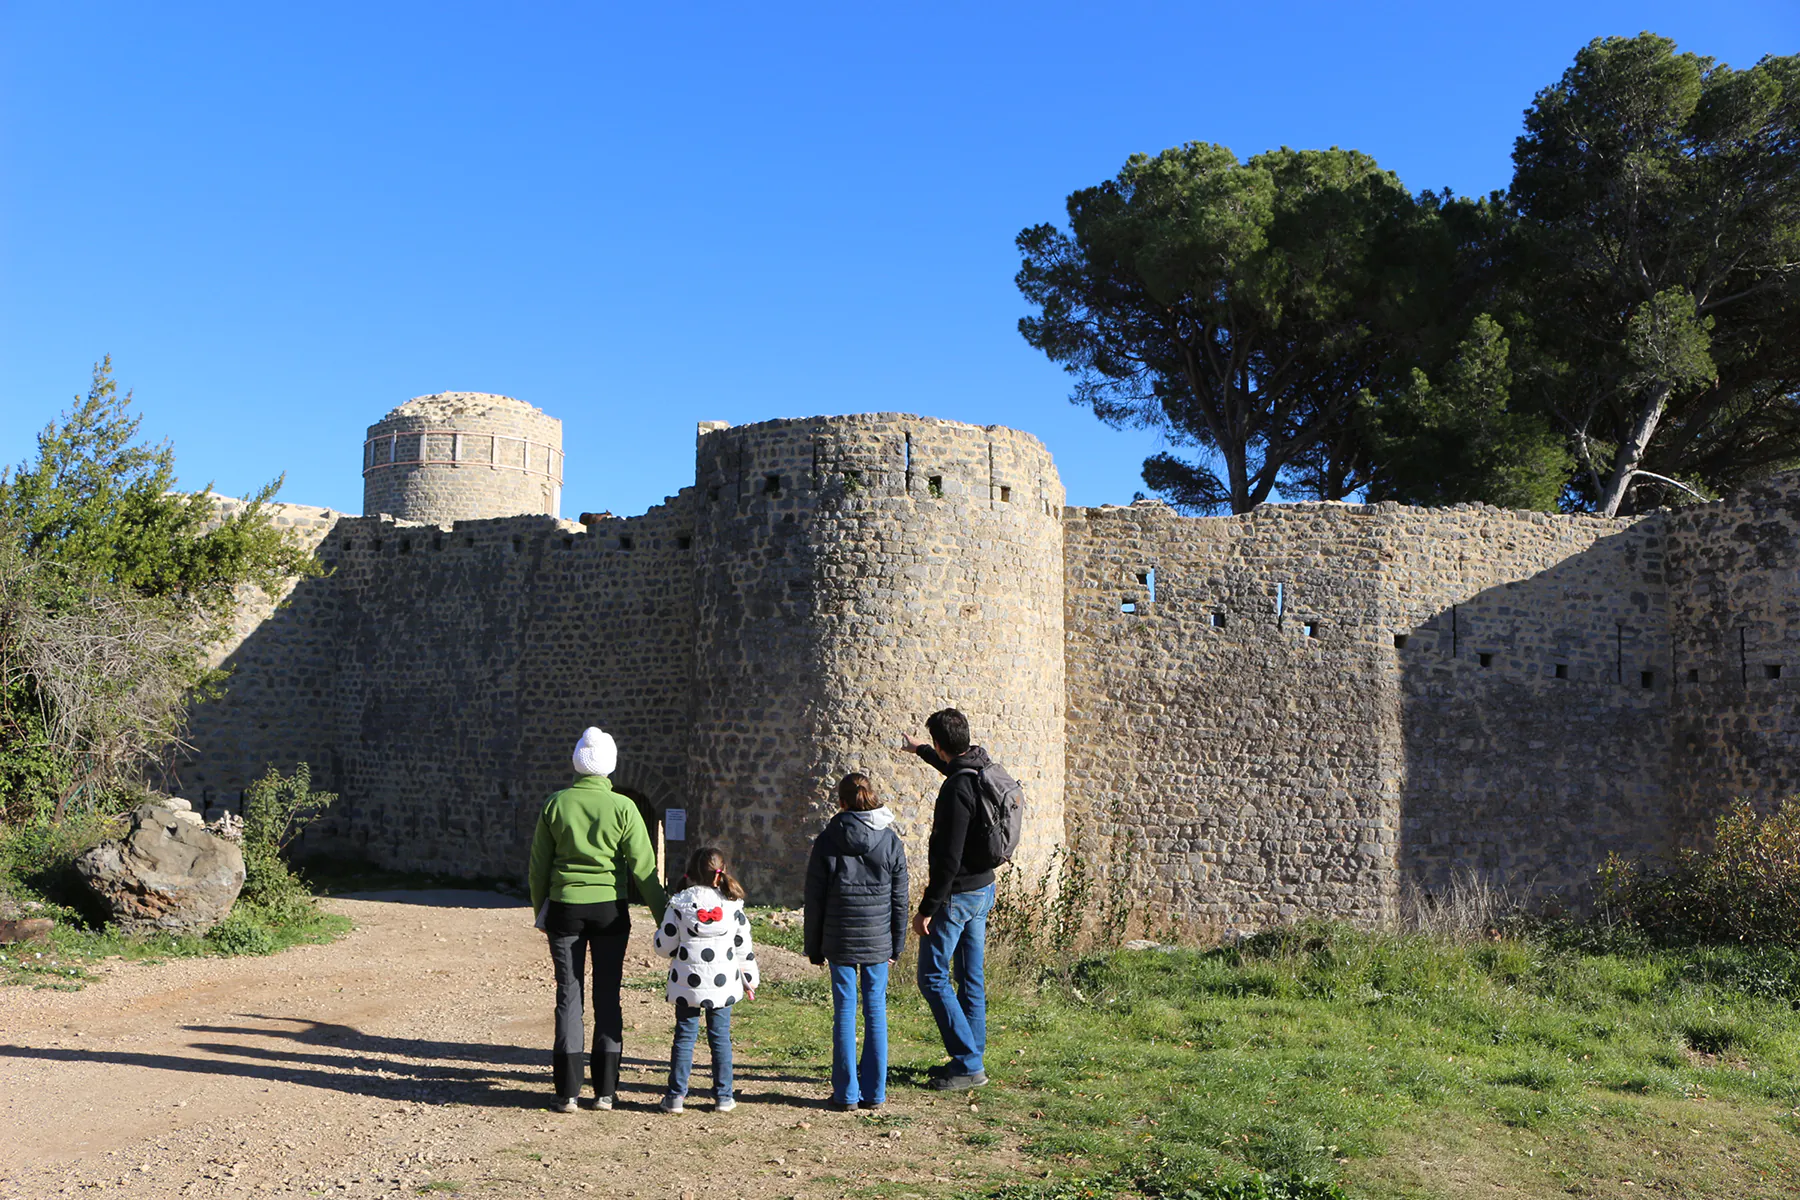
[999, 816]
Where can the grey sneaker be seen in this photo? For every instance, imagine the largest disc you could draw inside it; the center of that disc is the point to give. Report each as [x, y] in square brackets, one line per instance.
[598, 1104]
[957, 1083]
[563, 1104]
[671, 1104]
[724, 1104]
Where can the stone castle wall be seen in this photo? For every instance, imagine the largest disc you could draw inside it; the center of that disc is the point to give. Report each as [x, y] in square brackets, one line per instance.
[1734, 660]
[1305, 710]
[438, 676]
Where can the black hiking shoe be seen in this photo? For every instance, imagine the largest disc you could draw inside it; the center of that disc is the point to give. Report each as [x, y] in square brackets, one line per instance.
[957, 1083]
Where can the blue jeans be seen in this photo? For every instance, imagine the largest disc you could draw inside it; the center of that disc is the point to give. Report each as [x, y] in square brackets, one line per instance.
[687, 1032]
[868, 1081]
[952, 952]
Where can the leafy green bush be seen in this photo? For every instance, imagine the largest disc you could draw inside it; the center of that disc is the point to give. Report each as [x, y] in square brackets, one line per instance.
[277, 808]
[37, 859]
[242, 932]
[1745, 888]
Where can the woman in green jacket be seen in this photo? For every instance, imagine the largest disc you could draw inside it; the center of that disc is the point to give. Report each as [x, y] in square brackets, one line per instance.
[590, 849]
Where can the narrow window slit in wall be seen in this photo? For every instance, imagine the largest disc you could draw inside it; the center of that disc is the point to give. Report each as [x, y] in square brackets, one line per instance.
[1218, 620]
[1310, 628]
[907, 462]
[1647, 679]
[1148, 579]
[1128, 606]
[626, 541]
[375, 545]
[1693, 674]
[518, 545]
[1562, 670]
[772, 485]
[1486, 660]
[437, 543]
[935, 485]
[1771, 670]
[712, 495]
[1005, 494]
[685, 542]
[1399, 641]
[568, 543]
[406, 545]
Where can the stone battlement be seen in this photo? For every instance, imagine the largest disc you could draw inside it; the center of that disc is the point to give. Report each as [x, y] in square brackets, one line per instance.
[1251, 718]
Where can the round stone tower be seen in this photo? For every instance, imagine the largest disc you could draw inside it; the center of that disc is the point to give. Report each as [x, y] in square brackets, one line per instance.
[853, 575]
[460, 456]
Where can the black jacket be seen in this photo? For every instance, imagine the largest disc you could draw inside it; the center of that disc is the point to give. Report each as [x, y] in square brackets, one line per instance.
[948, 852]
[855, 893]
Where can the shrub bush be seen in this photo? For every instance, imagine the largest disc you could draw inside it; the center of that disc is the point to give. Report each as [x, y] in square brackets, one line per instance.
[277, 808]
[242, 932]
[1745, 888]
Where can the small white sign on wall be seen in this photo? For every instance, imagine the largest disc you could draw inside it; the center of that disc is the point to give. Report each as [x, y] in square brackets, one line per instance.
[675, 824]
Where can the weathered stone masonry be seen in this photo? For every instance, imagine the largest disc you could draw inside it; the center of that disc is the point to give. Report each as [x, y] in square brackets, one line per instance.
[1256, 718]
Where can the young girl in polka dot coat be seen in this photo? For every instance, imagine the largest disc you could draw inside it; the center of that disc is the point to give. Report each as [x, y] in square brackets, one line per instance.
[706, 936]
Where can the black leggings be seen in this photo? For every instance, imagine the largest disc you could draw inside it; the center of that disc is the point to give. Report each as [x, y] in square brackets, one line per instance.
[574, 930]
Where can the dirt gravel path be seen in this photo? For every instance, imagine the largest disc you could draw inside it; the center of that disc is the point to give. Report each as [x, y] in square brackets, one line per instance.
[411, 1057]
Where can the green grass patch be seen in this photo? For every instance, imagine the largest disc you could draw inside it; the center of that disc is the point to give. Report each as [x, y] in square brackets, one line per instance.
[772, 927]
[1322, 1058]
[73, 952]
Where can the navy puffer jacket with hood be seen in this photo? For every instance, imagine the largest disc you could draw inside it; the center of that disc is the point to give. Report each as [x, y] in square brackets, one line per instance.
[856, 890]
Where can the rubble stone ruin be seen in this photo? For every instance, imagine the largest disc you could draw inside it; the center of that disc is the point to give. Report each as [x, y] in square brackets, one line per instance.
[1247, 719]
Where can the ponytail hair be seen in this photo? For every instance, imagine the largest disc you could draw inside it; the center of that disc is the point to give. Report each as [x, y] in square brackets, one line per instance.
[857, 794]
[706, 867]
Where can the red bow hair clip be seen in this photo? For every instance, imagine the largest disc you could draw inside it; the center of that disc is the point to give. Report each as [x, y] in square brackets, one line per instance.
[708, 915]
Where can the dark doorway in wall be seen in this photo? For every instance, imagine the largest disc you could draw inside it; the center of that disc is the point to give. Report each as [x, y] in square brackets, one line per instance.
[653, 824]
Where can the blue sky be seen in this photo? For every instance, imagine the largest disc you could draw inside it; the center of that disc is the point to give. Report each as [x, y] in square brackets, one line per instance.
[283, 220]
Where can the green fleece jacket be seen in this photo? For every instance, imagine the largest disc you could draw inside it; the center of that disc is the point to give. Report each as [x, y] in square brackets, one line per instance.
[589, 840]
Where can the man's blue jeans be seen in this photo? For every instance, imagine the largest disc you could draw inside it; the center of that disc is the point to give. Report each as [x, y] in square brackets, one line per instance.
[952, 953]
[687, 1032]
[856, 1080]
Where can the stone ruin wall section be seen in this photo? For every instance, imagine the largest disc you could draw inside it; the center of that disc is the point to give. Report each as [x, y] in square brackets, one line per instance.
[1251, 771]
[1735, 658]
[854, 575]
[1534, 694]
[1233, 768]
[438, 677]
[280, 703]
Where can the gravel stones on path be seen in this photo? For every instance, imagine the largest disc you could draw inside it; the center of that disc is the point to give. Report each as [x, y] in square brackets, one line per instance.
[412, 1053]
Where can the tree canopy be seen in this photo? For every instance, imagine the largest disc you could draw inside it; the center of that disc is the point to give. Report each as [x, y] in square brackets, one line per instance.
[1299, 324]
[112, 585]
[1655, 254]
[1239, 307]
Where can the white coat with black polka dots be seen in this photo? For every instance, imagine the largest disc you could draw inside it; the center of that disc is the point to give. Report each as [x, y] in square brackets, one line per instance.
[707, 940]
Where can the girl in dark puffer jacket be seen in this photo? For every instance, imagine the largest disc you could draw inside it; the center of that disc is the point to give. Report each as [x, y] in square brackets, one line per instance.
[856, 915]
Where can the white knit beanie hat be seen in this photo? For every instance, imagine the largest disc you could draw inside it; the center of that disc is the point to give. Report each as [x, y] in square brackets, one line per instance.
[595, 753]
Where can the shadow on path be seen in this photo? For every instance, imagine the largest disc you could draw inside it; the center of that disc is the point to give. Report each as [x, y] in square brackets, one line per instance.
[344, 1059]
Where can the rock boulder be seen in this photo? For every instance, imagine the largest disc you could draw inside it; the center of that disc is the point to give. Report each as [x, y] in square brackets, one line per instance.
[165, 876]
